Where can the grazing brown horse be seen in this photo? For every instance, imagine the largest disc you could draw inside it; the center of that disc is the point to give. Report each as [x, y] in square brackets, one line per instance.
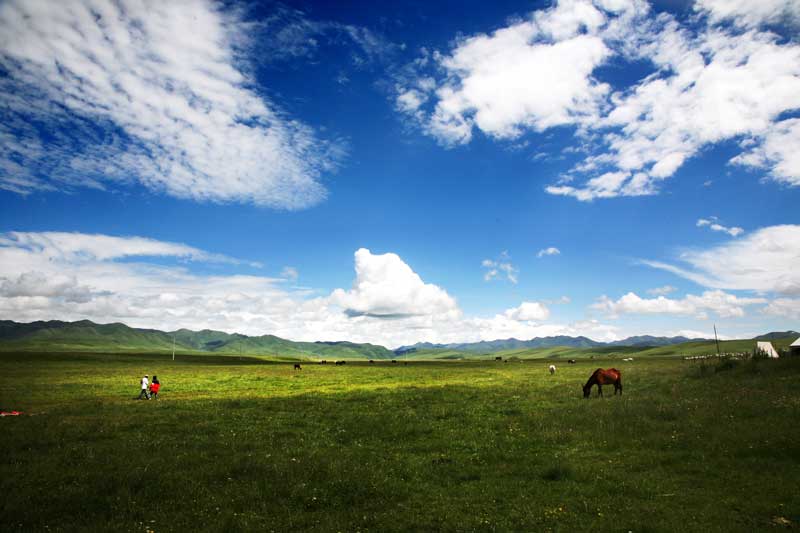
[602, 377]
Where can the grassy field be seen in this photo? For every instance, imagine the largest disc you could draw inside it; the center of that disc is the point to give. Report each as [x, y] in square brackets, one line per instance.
[243, 445]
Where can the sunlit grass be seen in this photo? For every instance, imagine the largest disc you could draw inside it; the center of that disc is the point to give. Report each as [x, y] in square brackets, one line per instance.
[428, 446]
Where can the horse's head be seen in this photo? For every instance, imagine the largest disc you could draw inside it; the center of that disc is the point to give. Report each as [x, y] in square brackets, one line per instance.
[586, 390]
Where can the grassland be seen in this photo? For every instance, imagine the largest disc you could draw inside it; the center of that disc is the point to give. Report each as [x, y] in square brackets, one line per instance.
[243, 444]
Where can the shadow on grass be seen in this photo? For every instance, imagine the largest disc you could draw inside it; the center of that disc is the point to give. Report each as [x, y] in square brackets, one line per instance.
[559, 472]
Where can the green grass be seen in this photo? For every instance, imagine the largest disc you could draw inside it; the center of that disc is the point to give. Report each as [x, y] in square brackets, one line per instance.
[243, 445]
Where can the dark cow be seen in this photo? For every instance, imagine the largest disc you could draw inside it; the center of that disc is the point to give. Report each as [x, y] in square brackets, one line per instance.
[323, 362]
[339, 362]
[297, 366]
[498, 358]
[394, 360]
[572, 361]
[371, 362]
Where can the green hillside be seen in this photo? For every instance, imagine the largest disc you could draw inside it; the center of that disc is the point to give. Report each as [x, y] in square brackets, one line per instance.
[86, 336]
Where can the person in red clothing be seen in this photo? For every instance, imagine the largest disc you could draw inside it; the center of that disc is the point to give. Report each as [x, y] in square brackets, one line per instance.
[154, 386]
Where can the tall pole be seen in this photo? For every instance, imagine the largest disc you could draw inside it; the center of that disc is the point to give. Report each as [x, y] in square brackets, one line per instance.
[716, 339]
[173, 346]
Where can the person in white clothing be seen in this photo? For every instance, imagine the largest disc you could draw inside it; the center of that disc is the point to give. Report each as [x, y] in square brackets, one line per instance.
[144, 389]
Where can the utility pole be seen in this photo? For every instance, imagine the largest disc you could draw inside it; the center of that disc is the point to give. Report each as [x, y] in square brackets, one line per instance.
[173, 346]
[716, 339]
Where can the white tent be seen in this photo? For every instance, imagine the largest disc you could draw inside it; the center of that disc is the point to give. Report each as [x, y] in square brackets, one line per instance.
[767, 348]
[794, 348]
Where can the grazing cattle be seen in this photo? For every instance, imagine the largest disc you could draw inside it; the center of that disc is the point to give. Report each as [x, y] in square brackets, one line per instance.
[371, 362]
[552, 369]
[339, 362]
[498, 358]
[601, 377]
[323, 362]
[572, 361]
[394, 360]
[297, 366]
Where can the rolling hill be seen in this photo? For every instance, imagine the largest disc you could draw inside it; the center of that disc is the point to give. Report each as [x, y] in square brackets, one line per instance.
[86, 336]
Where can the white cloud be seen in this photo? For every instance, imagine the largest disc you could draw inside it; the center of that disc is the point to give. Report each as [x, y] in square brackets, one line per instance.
[410, 100]
[64, 246]
[100, 93]
[502, 327]
[749, 13]
[662, 291]
[723, 304]
[529, 312]
[532, 75]
[502, 267]
[36, 284]
[548, 251]
[290, 273]
[778, 151]
[388, 303]
[104, 278]
[764, 261]
[708, 88]
[385, 286]
[706, 84]
[783, 307]
[712, 224]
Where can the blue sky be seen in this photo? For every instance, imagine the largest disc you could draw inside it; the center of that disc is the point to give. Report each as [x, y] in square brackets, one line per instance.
[405, 172]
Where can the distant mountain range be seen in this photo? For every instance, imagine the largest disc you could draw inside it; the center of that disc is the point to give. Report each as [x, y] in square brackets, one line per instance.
[562, 340]
[87, 336]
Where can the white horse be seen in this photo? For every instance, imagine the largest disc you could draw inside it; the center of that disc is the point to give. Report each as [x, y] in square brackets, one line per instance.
[552, 369]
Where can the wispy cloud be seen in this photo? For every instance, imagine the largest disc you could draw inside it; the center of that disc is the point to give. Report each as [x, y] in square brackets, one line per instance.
[288, 34]
[713, 224]
[721, 303]
[747, 14]
[662, 291]
[763, 261]
[290, 274]
[101, 93]
[500, 268]
[784, 307]
[548, 251]
[69, 247]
